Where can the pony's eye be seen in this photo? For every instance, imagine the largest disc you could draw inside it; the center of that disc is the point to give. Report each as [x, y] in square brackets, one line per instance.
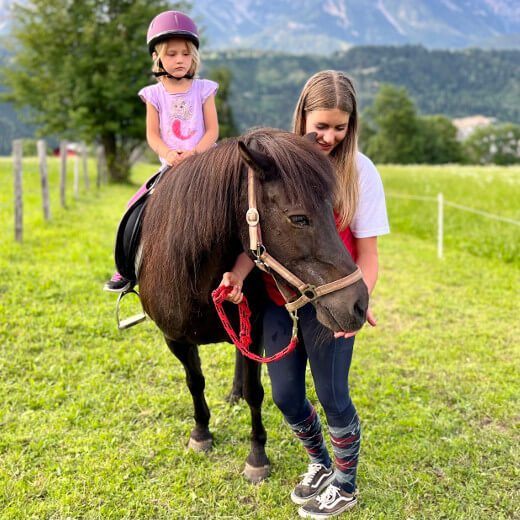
[299, 220]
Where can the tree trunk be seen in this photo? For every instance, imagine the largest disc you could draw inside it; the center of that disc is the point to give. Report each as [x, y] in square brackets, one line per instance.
[117, 158]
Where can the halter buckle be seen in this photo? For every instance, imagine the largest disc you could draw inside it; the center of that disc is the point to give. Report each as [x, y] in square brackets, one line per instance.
[309, 291]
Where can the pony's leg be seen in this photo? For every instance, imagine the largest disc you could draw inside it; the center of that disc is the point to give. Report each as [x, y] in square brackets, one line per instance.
[237, 391]
[257, 463]
[200, 437]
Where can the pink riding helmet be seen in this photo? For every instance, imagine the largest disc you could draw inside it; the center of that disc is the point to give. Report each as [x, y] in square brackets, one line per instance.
[170, 24]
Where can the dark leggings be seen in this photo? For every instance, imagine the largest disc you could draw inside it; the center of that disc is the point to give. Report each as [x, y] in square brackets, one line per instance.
[329, 360]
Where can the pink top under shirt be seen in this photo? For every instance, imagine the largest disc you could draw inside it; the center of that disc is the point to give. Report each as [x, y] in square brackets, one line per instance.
[181, 120]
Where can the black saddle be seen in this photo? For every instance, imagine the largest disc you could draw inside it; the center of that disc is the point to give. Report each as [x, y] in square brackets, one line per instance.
[128, 235]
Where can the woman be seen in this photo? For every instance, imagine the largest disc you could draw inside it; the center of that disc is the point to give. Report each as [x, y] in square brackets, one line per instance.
[328, 107]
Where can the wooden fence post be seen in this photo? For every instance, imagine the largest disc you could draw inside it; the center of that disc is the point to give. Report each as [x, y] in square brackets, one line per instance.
[100, 156]
[44, 178]
[76, 176]
[18, 190]
[440, 224]
[63, 172]
[85, 167]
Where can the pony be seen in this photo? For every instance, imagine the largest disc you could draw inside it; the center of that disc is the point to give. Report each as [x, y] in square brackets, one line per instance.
[193, 229]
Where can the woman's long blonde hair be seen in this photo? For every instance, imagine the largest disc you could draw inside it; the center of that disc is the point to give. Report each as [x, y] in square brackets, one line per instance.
[328, 90]
[160, 51]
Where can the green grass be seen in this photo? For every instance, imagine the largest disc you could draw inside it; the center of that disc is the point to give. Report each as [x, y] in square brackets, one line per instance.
[94, 421]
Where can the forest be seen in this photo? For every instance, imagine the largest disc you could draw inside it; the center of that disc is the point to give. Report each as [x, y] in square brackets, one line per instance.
[266, 85]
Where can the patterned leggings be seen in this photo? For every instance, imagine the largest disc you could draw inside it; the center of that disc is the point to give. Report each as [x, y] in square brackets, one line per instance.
[329, 360]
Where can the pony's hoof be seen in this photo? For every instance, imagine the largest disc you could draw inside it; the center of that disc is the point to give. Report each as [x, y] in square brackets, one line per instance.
[200, 446]
[256, 474]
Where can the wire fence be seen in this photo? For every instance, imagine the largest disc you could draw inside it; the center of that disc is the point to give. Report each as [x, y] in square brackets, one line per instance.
[21, 193]
[441, 203]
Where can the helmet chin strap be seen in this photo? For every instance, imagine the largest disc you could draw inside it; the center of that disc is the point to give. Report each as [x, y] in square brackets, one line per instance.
[168, 75]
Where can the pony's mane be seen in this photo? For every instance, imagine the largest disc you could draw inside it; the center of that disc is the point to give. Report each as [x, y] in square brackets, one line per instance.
[194, 207]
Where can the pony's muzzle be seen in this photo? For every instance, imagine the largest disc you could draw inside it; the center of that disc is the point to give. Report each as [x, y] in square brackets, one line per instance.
[344, 310]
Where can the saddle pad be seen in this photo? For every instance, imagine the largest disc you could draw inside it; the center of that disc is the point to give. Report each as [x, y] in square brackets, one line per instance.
[129, 231]
[128, 237]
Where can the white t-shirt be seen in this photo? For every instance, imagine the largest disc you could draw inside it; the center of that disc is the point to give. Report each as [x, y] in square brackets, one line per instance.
[370, 219]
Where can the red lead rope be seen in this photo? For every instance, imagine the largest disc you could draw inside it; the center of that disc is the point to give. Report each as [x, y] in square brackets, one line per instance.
[244, 343]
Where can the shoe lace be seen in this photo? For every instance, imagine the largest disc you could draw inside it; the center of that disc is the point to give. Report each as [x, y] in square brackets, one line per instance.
[312, 469]
[329, 495]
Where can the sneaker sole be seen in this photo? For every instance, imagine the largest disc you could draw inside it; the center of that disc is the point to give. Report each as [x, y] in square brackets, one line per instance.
[109, 289]
[300, 500]
[322, 516]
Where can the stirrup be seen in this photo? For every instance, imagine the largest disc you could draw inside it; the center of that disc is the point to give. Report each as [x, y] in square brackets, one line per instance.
[132, 320]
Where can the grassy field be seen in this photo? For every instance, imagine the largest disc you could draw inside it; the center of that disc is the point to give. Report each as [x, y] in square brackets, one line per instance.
[94, 421]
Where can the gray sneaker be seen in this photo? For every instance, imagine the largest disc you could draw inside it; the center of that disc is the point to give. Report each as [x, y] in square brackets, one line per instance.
[333, 501]
[317, 478]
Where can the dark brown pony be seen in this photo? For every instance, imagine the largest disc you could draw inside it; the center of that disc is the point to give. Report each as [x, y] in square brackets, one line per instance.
[193, 230]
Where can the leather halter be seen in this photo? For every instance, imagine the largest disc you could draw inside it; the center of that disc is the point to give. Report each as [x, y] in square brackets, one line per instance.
[266, 262]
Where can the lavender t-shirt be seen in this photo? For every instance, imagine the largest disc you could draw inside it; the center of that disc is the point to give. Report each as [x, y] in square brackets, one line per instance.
[181, 121]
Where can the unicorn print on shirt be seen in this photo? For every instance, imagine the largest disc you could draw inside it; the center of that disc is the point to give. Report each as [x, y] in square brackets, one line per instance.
[181, 111]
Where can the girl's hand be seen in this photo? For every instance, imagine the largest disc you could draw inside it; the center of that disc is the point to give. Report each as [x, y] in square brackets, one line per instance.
[370, 319]
[231, 279]
[184, 154]
[172, 157]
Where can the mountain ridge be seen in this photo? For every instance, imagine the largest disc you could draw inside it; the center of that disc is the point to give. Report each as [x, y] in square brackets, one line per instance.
[307, 26]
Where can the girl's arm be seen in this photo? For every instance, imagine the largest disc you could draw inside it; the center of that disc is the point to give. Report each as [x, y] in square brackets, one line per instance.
[367, 261]
[209, 111]
[153, 135]
[235, 277]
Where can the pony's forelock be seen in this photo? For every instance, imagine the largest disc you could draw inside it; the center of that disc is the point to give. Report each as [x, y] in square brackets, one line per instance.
[305, 176]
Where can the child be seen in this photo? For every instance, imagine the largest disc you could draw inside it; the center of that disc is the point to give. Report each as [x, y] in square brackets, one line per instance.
[181, 117]
[328, 107]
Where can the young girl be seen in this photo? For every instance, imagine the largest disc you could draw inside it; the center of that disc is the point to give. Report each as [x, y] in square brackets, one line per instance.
[181, 117]
[327, 106]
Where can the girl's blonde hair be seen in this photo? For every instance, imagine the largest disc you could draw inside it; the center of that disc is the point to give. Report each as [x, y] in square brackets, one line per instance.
[160, 51]
[328, 90]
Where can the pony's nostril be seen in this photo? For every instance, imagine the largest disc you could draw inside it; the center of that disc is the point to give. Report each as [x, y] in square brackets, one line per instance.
[360, 309]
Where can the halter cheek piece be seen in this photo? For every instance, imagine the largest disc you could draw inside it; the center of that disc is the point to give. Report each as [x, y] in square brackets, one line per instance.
[267, 263]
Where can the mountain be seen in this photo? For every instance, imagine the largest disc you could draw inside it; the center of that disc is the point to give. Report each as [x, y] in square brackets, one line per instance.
[325, 26]
[308, 26]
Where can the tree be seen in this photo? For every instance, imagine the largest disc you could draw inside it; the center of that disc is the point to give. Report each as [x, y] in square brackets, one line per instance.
[439, 140]
[78, 67]
[392, 127]
[226, 123]
[392, 131]
[498, 144]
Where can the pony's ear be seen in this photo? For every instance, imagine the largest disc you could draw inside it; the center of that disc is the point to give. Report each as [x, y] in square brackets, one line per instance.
[260, 162]
[311, 136]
